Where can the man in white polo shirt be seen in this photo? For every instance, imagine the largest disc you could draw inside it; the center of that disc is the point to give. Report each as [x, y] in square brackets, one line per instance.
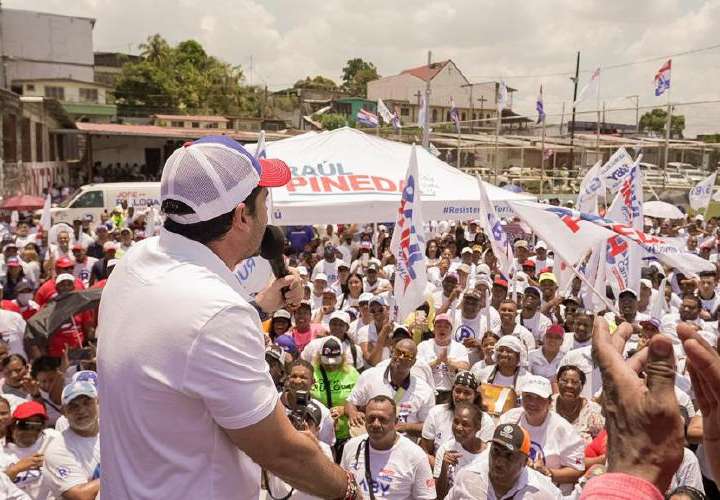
[187, 400]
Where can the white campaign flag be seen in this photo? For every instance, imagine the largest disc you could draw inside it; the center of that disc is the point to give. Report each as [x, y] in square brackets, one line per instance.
[499, 241]
[408, 246]
[616, 168]
[700, 195]
[502, 98]
[383, 111]
[624, 260]
[422, 112]
[590, 89]
[591, 185]
[45, 218]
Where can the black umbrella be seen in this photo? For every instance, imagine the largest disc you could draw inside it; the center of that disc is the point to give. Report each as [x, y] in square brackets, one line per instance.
[59, 310]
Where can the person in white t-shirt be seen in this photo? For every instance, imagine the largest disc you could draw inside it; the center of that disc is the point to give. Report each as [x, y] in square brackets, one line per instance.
[510, 326]
[530, 316]
[83, 262]
[372, 283]
[541, 259]
[511, 367]
[23, 459]
[373, 338]
[502, 471]
[437, 428]
[202, 373]
[72, 461]
[545, 360]
[470, 323]
[557, 450]
[444, 355]
[413, 396]
[327, 266]
[385, 462]
[462, 449]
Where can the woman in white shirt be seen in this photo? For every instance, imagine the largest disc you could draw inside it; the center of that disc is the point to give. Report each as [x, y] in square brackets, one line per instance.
[437, 428]
[557, 450]
[510, 367]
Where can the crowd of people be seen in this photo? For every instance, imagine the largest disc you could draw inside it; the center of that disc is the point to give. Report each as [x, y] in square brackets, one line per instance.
[489, 389]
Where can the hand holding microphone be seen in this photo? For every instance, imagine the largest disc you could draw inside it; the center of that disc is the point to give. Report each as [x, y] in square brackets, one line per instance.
[287, 288]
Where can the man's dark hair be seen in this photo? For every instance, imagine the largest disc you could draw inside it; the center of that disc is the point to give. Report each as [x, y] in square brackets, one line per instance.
[207, 231]
[44, 364]
[11, 358]
[381, 398]
[303, 363]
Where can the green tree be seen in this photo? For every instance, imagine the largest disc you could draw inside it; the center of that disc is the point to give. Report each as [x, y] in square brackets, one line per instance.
[317, 82]
[183, 78]
[331, 121]
[656, 120]
[356, 74]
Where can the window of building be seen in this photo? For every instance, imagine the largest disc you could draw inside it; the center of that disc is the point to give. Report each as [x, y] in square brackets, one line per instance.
[177, 124]
[462, 116]
[195, 124]
[434, 115]
[55, 92]
[404, 111]
[88, 95]
[90, 199]
[30, 87]
[212, 125]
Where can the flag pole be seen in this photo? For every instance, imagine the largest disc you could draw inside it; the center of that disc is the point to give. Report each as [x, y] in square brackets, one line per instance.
[667, 137]
[601, 296]
[495, 156]
[542, 159]
[426, 120]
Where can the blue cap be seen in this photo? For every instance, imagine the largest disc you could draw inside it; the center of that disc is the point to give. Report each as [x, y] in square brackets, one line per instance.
[77, 389]
[287, 343]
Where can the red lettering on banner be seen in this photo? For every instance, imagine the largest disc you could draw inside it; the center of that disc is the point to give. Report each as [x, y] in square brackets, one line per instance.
[335, 182]
[360, 183]
[383, 184]
[571, 223]
[296, 182]
[314, 184]
[617, 246]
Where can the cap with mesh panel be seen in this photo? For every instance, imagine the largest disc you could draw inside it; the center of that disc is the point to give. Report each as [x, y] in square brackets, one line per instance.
[213, 175]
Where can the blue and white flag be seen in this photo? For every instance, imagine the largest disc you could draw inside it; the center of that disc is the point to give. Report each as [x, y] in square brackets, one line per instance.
[367, 118]
[662, 78]
[491, 225]
[540, 107]
[408, 246]
[701, 194]
[454, 115]
[591, 88]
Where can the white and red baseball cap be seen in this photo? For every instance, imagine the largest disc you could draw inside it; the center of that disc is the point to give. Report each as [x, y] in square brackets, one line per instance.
[213, 175]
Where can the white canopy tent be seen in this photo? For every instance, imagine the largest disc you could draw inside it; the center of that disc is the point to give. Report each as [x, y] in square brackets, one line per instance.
[348, 176]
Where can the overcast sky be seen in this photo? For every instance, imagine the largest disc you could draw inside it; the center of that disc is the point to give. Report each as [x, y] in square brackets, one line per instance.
[524, 42]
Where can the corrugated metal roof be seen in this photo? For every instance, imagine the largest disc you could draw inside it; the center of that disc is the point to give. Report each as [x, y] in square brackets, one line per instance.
[170, 132]
[426, 72]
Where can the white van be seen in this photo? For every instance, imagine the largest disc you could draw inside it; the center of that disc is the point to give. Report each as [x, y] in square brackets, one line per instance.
[94, 199]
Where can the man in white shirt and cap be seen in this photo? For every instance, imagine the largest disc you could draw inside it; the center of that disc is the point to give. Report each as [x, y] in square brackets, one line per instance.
[502, 472]
[202, 373]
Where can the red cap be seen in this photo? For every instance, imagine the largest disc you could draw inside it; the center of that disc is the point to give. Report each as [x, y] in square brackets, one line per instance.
[275, 173]
[13, 262]
[29, 409]
[555, 330]
[545, 270]
[528, 263]
[63, 262]
[500, 282]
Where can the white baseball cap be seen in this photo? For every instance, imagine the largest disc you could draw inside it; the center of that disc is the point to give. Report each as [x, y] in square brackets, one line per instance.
[320, 276]
[64, 277]
[540, 386]
[212, 176]
[282, 313]
[302, 270]
[365, 297]
[77, 389]
[541, 244]
[342, 316]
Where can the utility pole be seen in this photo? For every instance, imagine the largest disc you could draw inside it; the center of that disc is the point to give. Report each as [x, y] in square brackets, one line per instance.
[637, 111]
[3, 75]
[426, 128]
[418, 96]
[472, 105]
[482, 106]
[572, 124]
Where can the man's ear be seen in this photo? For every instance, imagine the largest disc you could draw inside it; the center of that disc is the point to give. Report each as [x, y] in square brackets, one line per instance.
[241, 216]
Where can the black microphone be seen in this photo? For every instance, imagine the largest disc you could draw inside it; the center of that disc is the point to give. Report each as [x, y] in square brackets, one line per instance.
[271, 249]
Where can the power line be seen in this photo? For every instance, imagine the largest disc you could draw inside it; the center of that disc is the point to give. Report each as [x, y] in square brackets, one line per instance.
[611, 66]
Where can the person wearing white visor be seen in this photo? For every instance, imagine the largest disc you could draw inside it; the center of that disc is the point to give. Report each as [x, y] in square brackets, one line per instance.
[202, 373]
[510, 369]
[72, 462]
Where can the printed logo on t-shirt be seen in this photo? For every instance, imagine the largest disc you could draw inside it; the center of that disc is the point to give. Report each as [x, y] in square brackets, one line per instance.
[537, 452]
[27, 477]
[63, 472]
[404, 410]
[464, 332]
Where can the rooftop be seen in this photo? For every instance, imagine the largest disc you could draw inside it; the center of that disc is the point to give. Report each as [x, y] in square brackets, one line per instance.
[71, 80]
[170, 132]
[426, 72]
[192, 118]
